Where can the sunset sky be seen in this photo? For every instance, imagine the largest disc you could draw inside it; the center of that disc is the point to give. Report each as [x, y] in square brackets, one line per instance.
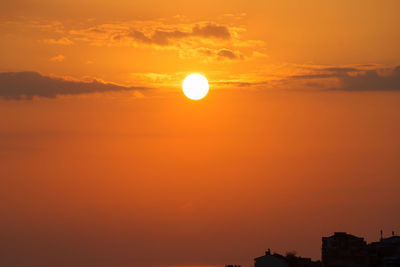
[104, 162]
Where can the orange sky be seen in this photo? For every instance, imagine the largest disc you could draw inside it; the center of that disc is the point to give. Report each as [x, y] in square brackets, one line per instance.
[104, 162]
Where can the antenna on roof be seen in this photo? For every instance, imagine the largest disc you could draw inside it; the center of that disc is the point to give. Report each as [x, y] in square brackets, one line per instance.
[392, 233]
[381, 234]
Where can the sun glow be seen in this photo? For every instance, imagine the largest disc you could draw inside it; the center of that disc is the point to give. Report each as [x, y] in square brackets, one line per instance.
[195, 86]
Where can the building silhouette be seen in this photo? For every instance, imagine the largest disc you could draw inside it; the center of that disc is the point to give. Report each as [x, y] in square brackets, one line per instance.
[341, 250]
[278, 260]
[270, 260]
[345, 250]
[385, 253]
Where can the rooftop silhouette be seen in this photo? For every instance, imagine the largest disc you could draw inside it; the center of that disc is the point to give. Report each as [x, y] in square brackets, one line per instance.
[341, 250]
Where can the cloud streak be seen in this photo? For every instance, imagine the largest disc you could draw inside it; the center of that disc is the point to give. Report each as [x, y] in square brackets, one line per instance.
[220, 54]
[58, 58]
[158, 35]
[164, 34]
[371, 80]
[353, 79]
[61, 41]
[228, 54]
[162, 37]
[26, 85]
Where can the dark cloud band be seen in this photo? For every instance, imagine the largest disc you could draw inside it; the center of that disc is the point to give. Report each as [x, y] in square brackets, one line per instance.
[353, 79]
[371, 80]
[26, 85]
[162, 38]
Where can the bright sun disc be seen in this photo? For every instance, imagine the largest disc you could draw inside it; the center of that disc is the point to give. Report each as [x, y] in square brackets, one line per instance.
[195, 86]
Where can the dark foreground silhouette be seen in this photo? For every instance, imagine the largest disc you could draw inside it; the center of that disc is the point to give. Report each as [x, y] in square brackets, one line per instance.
[340, 250]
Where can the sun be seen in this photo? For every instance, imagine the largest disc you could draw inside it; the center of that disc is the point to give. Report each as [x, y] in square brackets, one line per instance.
[195, 86]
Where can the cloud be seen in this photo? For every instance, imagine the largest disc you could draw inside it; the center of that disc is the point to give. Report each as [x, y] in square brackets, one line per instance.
[353, 79]
[371, 80]
[322, 73]
[177, 34]
[26, 85]
[340, 69]
[163, 37]
[153, 33]
[226, 53]
[159, 37]
[313, 76]
[242, 84]
[211, 30]
[61, 41]
[58, 58]
[221, 54]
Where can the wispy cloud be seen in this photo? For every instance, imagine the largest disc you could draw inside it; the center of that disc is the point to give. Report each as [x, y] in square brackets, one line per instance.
[26, 85]
[359, 78]
[154, 34]
[217, 54]
[223, 36]
[371, 80]
[228, 54]
[164, 37]
[58, 58]
[60, 41]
